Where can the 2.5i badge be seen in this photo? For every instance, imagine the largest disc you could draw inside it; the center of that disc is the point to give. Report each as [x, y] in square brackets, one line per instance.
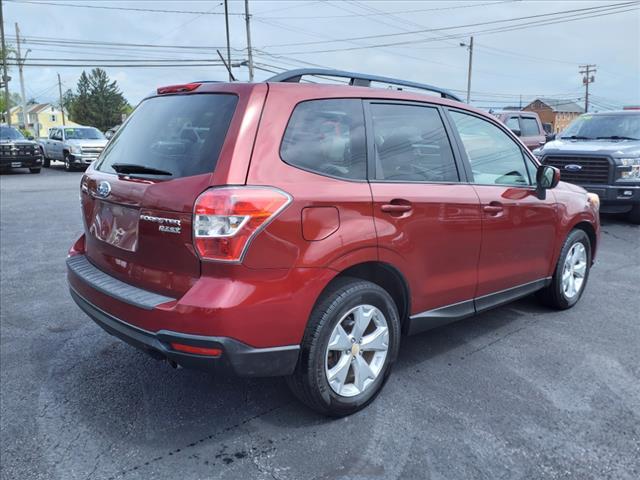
[168, 225]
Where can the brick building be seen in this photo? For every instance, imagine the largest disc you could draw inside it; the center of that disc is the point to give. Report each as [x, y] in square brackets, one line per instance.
[558, 112]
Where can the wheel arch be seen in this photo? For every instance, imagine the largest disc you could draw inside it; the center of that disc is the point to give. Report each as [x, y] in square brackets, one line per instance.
[387, 277]
[589, 229]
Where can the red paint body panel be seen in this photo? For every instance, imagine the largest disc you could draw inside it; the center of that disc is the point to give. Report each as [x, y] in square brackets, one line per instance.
[436, 244]
[446, 246]
[518, 242]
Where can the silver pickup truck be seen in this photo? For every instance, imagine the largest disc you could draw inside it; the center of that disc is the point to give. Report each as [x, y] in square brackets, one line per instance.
[77, 147]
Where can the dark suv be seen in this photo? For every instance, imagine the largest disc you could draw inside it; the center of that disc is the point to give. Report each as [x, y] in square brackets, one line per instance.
[16, 151]
[293, 229]
[601, 152]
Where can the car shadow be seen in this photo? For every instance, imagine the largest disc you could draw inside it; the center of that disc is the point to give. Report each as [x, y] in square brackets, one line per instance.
[138, 386]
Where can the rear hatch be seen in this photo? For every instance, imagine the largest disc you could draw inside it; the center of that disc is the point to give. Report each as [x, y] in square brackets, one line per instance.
[138, 198]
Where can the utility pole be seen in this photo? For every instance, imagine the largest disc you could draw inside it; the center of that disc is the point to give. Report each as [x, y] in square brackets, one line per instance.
[249, 53]
[5, 77]
[25, 116]
[226, 22]
[470, 48]
[61, 104]
[587, 71]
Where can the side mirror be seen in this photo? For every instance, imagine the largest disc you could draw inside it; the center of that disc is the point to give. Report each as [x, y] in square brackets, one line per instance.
[516, 131]
[29, 136]
[546, 177]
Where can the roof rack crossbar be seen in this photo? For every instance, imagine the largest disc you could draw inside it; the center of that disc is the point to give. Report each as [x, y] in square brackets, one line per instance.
[356, 79]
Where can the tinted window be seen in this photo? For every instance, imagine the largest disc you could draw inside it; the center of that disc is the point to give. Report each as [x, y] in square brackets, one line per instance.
[512, 123]
[529, 127]
[411, 144]
[327, 137]
[83, 134]
[494, 157]
[10, 133]
[179, 134]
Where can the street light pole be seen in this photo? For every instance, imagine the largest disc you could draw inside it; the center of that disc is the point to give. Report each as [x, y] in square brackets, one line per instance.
[25, 116]
[470, 48]
[249, 52]
[226, 23]
[5, 75]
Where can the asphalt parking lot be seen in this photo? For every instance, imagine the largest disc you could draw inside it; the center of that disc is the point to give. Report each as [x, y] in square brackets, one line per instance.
[517, 393]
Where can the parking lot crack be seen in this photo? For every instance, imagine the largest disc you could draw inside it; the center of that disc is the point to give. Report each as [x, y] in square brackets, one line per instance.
[179, 450]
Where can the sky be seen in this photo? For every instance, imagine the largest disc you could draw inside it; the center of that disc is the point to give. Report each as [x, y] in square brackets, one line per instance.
[509, 67]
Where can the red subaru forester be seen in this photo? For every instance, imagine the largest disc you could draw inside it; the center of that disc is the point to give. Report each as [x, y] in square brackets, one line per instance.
[300, 229]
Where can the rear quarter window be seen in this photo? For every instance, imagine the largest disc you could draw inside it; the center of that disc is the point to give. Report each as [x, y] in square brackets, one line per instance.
[327, 137]
[179, 134]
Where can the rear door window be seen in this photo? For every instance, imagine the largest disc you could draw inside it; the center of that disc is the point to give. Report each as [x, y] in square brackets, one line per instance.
[181, 135]
[411, 144]
[529, 127]
[327, 137]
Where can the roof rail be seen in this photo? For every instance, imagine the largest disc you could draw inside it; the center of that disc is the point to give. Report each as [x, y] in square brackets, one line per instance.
[356, 79]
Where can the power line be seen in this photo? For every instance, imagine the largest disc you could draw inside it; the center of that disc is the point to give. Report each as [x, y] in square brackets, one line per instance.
[573, 13]
[464, 35]
[129, 9]
[419, 10]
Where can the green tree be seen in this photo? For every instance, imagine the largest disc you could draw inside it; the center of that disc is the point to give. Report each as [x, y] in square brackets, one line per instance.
[14, 99]
[97, 102]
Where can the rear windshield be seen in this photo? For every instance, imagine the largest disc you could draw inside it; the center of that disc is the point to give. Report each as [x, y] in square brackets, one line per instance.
[180, 135]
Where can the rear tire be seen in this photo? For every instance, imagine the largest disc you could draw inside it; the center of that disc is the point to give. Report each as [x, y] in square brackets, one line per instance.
[34, 170]
[634, 215]
[353, 304]
[571, 274]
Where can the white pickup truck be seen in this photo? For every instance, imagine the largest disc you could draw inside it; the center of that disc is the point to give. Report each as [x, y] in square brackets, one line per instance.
[77, 147]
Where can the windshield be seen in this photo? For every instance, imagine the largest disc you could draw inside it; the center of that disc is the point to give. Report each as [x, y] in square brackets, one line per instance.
[604, 126]
[83, 134]
[180, 135]
[10, 133]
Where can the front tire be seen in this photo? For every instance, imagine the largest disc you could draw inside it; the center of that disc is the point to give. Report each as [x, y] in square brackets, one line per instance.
[67, 163]
[571, 273]
[634, 215]
[350, 343]
[46, 161]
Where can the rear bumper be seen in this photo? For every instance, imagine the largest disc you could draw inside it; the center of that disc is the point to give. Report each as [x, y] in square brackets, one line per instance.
[616, 198]
[236, 358]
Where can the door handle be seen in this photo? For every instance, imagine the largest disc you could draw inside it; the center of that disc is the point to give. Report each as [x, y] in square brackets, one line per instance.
[493, 208]
[394, 208]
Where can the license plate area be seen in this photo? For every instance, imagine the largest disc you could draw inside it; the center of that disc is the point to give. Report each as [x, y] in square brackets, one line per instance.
[16, 164]
[116, 225]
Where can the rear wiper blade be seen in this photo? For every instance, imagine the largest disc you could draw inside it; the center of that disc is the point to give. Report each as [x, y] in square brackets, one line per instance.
[578, 137]
[126, 168]
[617, 137]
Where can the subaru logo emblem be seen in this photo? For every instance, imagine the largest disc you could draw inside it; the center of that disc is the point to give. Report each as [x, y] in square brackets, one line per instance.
[572, 167]
[104, 189]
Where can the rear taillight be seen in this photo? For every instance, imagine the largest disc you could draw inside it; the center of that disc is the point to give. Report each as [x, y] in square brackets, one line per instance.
[226, 219]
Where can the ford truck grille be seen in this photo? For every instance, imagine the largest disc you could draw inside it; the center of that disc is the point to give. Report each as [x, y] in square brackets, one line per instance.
[581, 170]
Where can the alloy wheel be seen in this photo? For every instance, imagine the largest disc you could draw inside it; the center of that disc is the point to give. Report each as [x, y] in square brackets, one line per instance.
[574, 270]
[357, 350]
